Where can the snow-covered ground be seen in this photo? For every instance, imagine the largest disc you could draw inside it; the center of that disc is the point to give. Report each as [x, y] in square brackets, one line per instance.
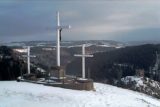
[22, 94]
[138, 80]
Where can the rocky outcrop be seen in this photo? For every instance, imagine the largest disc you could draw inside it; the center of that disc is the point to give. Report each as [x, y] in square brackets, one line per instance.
[141, 84]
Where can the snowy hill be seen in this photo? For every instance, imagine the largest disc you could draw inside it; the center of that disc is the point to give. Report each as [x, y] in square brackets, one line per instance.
[68, 44]
[21, 94]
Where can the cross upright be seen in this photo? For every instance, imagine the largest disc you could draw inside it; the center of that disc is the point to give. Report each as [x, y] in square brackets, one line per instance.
[28, 59]
[83, 55]
[59, 30]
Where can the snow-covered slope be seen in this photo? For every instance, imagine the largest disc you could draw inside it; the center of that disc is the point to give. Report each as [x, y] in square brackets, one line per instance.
[21, 94]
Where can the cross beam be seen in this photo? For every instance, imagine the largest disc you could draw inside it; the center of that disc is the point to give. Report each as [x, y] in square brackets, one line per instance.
[59, 30]
[28, 58]
[83, 55]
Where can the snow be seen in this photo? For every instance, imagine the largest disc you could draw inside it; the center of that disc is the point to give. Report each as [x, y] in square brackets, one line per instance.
[23, 94]
[48, 49]
[82, 79]
[20, 50]
[142, 84]
[104, 45]
[138, 80]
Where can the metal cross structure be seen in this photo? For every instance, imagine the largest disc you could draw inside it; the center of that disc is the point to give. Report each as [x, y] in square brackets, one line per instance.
[59, 30]
[83, 55]
[28, 58]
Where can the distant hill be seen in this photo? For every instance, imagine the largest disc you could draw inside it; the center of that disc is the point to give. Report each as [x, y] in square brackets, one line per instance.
[67, 44]
[112, 65]
[46, 51]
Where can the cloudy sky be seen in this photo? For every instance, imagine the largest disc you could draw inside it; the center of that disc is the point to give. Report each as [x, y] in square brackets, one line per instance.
[121, 20]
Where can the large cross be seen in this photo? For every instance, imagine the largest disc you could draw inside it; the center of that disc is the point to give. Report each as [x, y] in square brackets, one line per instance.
[59, 29]
[28, 59]
[83, 55]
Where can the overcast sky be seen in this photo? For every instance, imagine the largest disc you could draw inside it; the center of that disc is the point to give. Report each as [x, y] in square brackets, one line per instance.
[121, 20]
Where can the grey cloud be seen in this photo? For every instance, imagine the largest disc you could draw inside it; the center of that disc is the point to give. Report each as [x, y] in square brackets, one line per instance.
[27, 20]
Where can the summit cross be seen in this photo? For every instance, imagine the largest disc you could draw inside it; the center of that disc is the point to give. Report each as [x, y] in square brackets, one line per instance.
[83, 55]
[59, 30]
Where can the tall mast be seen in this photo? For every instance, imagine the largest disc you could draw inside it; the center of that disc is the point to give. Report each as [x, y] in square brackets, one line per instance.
[58, 40]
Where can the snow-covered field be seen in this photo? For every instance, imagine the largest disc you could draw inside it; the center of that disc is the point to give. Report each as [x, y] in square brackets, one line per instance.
[22, 94]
